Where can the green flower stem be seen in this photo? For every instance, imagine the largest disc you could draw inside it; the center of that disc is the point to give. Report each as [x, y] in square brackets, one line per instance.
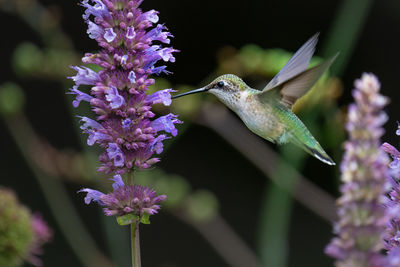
[135, 245]
[345, 31]
[226, 242]
[135, 240]
[276, 209]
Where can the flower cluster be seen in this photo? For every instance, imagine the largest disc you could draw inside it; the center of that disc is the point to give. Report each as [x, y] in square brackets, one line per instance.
[125, 125]
[22, 234]
[361, 211]
[125, 199]
[392, 237]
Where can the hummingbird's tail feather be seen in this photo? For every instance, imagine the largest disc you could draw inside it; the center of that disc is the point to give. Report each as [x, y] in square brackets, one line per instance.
[313, 148]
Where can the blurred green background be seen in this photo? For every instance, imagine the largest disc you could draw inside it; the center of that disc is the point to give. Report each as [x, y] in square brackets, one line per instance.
[230, 193]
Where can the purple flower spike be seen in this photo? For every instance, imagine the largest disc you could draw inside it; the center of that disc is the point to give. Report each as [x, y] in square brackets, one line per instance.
[124, 125]
[361, 208]
[392, 236]
[126, 199]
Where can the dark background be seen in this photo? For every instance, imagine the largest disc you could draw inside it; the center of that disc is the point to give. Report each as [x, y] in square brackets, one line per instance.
[200, 29]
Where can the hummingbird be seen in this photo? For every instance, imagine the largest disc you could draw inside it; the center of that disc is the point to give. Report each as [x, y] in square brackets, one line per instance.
[268, 112]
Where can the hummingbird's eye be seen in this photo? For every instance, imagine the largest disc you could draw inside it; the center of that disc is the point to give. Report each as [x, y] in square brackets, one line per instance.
[221, 84]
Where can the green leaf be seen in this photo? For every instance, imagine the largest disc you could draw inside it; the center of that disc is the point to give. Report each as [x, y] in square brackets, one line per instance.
[127, 219]
[145, 219]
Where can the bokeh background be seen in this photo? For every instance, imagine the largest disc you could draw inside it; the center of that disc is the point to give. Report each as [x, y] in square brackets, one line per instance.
[235, 200]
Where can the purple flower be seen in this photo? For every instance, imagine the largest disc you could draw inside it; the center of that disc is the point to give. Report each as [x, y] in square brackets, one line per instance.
[393, 258]
[157, 144]
[125, 126]
[94, 30]
[92, 195]
[84, 76]
[159, 70]
[114, 98]
[125, 199]
[80, 96]
[157, 34]
[98, 10]
[361, 210]
[42, 234]
[162, 96]
[132, 77]
[166, 123]
[110, 35]
[398, 128]
[115, 153]
[130, 33]
[150, 16]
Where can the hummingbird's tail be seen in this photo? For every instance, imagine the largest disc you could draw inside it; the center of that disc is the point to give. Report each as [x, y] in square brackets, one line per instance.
[311, 146]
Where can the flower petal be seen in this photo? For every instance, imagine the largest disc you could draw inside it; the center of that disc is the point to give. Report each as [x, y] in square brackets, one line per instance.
[92, 195]
[166, 123]
[118, 182]
[162, 96]
[115, 99]
[109, 35]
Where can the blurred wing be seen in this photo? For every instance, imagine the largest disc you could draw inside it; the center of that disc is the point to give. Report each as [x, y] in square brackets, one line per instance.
[297, 63]
[298, 86]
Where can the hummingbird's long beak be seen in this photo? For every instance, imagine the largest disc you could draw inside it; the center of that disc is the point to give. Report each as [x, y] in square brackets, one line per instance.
[200, 90]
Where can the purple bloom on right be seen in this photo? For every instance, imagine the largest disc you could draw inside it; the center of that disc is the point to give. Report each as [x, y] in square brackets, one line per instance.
[362, 214]
[392, 238]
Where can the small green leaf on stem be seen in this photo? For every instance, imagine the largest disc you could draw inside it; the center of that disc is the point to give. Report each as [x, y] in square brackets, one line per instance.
[127, 219]
[145, 219]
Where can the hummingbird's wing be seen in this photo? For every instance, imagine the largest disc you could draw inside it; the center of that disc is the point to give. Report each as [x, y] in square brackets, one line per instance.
[296, 87]
[297, 63]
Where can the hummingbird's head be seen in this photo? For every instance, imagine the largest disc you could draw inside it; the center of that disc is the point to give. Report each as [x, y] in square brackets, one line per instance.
[224, 87]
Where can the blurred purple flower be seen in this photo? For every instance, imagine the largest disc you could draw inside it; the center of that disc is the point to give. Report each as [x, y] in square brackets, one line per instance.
[362, 215]
[42, 234]
[125, 199]
[392, 238]
[124, 127]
